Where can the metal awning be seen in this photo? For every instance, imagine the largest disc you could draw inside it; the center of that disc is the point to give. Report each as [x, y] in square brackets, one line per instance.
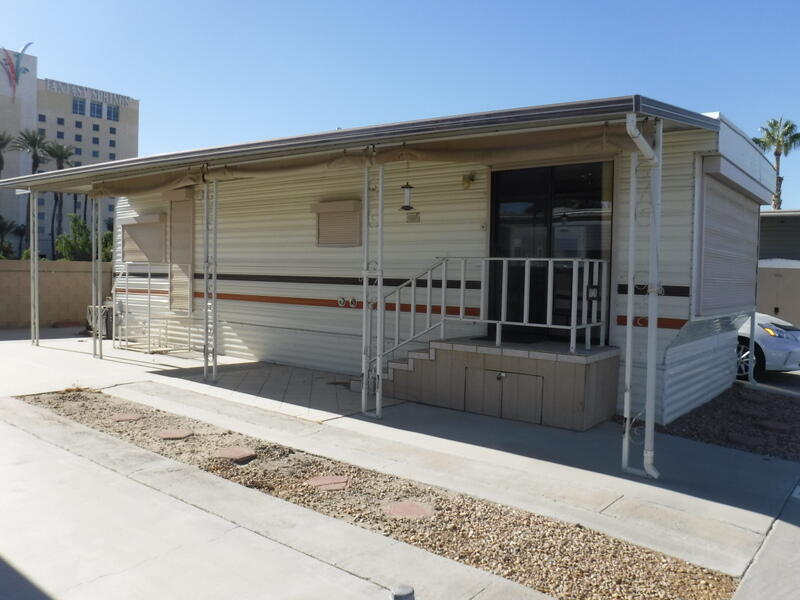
[81, 179]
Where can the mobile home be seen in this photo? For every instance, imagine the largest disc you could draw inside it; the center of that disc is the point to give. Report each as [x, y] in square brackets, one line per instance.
[527, 263]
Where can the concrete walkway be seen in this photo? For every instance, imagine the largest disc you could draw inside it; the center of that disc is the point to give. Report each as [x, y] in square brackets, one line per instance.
[86, 516]
[713, 506]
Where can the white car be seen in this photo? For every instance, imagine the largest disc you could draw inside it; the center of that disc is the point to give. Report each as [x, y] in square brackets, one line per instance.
[777, 346]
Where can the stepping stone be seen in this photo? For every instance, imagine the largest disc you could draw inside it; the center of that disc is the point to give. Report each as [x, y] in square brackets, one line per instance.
[777, 426]
[125, 417]
[409, 510]
[237, 454]
[174, 434]
[329, 483]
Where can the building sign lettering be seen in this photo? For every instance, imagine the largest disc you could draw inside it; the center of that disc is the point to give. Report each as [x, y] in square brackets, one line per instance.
[80, 91]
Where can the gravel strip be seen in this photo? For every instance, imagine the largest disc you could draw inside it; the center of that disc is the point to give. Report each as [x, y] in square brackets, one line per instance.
[746, 419]
[562, 559]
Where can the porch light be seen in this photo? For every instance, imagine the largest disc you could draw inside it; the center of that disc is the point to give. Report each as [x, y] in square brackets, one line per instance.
[407, 187]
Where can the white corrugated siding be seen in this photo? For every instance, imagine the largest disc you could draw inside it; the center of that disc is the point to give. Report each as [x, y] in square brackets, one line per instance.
[677, 200]
[729, 253]
[267, 227]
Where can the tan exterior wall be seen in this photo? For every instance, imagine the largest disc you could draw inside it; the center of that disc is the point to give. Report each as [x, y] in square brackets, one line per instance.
[779, 293]
[64, 292]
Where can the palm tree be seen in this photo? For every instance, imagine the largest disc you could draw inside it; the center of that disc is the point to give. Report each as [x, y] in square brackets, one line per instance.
[781, 136]
[34, 143]
[21, 231]
[5, 143]
[6, 228]
[61, 155]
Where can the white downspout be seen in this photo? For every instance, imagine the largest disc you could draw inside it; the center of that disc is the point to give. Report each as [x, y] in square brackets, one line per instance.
[633, 192]
[652, 305]
[653, 156]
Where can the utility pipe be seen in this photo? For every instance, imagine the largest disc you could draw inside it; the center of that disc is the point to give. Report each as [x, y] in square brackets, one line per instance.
[652, 303]
[632, 199]
[366, 341]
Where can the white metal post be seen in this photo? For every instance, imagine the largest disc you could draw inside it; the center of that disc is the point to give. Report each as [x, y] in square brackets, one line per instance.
[652, 303]
[205, 282]
[93, 303]
[366, 341]
[379, 351]
[214, 315]
[573, 320]
[587, 337]
[632, 209]
[100, 299]
[149, 306]
[33, 249]
[443, 314]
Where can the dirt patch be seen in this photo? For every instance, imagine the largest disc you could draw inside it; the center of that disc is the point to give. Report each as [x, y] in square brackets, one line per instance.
[562, 559]
[746, 419]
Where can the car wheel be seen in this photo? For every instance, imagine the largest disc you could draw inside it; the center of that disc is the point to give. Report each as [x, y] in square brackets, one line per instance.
[743, 359]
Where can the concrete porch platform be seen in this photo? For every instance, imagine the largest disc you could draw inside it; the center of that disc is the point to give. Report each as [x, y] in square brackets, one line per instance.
[713, 506]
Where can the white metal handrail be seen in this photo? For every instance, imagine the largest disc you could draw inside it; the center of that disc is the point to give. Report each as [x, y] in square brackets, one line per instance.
[121, 331]
[588, 300]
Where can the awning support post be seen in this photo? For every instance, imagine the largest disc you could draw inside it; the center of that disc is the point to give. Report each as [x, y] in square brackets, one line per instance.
[366, 341]
[381, 302]
[629, 311]
[214, 318]
[205, 282]
[653, 291]
[97, 272]
[33, 248]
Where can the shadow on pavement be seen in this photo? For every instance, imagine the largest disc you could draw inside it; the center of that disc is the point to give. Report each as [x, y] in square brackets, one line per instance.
[15, 586]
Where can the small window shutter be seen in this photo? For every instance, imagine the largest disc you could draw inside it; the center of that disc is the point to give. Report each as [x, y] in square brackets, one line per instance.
[143, 242]
[338, 223]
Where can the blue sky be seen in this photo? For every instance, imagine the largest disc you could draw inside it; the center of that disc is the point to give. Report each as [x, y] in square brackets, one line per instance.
[212, 73]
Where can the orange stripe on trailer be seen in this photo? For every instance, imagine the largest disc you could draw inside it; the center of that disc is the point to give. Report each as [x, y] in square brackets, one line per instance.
[663, 322]
[324, 302]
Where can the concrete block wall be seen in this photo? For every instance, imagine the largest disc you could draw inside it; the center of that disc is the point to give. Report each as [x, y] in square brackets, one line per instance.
[65, 289]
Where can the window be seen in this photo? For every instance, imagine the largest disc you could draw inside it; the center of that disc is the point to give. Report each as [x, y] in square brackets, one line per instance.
[60, 135]
[60, 120]
[95, 127]
[112, 143]
[42, 118]
[95, 154]
[112, 113]
[42, 131]
[78, 151]
[78, 124]
[78, 106]
[338, 223]
[40, 202]
[96, 110]
[78, 163]
[95, 140]
[110, 208]
[112, 156]
[40, 229]
[78, 204]
[78, 137]
[40, 216]
[112, 130]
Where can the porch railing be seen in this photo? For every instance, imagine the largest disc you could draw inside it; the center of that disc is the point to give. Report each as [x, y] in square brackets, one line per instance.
[584, 307]
[148, 327]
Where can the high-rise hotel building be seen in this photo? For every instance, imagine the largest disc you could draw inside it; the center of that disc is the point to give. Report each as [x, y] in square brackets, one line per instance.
[100, 126]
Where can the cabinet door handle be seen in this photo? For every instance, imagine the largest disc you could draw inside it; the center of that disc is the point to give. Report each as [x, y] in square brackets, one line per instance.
[501, 375]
